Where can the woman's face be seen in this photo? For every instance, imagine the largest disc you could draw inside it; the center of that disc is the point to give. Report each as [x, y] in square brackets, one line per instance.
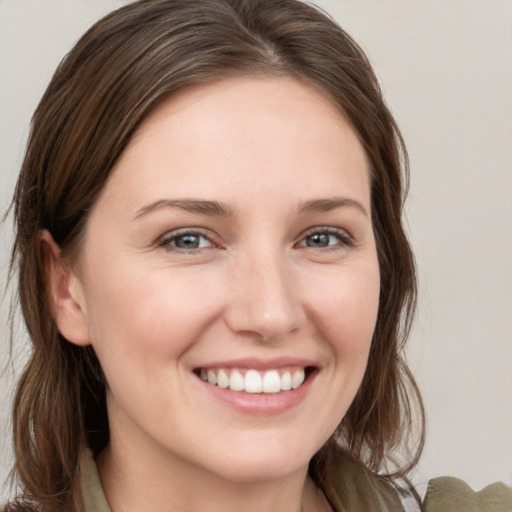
[233, 243]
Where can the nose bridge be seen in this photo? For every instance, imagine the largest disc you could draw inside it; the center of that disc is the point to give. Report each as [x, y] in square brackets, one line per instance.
[265, 300]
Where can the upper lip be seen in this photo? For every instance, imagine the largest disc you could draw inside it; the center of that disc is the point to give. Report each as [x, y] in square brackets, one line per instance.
[260, 364]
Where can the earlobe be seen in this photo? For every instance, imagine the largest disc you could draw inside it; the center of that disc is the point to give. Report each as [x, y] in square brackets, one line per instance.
[64, 292]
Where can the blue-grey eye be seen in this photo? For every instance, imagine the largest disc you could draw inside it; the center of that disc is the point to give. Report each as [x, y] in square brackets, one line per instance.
[188, 241]
[320, 240]
[325, 238]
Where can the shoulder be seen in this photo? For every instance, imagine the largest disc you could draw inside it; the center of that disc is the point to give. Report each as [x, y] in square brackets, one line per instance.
[15, 507]
[357, 489]
[448, 494]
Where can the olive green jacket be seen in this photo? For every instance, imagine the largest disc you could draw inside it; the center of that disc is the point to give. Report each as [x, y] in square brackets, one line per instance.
[363, 493]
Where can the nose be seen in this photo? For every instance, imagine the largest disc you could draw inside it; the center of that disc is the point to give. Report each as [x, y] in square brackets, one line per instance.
[264, 303]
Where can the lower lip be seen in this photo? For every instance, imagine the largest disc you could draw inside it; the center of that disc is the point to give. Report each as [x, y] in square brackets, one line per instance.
[263, 404]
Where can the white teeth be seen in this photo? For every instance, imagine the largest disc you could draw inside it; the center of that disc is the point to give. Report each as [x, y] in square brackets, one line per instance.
[222, 379]
[298, 378]
[254, 381]
[286, 381]
[271, 382]
[236, 381]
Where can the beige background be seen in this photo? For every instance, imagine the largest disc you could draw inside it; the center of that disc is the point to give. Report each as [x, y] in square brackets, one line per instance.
[446, 70]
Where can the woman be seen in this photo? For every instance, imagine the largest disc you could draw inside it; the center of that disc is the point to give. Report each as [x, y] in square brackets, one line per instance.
[193, 327]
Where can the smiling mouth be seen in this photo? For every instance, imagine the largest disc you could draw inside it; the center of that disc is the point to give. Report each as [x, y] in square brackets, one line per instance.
[255, 381]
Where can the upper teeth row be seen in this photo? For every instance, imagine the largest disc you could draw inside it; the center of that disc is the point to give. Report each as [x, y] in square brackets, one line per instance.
[254, 381]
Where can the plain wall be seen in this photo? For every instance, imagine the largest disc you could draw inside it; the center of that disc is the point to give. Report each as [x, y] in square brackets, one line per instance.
[445, 67]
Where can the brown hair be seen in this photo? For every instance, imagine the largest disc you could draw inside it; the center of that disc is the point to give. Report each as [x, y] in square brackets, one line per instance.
[98, 96]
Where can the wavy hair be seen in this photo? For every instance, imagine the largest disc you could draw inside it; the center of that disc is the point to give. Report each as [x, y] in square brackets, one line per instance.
[116, 73]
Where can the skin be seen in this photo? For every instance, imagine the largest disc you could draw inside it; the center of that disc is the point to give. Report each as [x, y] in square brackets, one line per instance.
[259, 286]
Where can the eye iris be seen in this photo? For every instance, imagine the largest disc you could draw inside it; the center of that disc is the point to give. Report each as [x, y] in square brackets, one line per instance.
[188, 241]
[318, 240]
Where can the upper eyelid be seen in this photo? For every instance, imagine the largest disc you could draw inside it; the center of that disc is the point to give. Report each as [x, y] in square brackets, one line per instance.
[324, 229]
[320, 228]
[175, 233]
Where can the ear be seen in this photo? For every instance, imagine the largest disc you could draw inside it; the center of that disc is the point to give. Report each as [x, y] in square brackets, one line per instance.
[64, 291]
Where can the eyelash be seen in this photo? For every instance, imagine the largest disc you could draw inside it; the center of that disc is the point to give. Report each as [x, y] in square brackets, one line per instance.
[345, 240]
[166, 242]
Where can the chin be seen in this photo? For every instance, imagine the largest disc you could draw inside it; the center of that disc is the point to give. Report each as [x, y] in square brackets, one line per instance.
[250, 471]
[270, 461]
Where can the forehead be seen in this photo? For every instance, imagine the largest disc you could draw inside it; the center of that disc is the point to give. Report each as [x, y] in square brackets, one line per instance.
[269, 131]
[244, 92]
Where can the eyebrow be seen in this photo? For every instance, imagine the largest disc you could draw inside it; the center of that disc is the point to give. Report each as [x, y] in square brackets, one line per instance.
[219, 209]
[326, 205]
[211, 208]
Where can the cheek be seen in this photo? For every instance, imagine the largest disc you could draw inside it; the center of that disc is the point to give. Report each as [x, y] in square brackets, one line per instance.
[344, 306]
[346, 309]
[149, 316]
